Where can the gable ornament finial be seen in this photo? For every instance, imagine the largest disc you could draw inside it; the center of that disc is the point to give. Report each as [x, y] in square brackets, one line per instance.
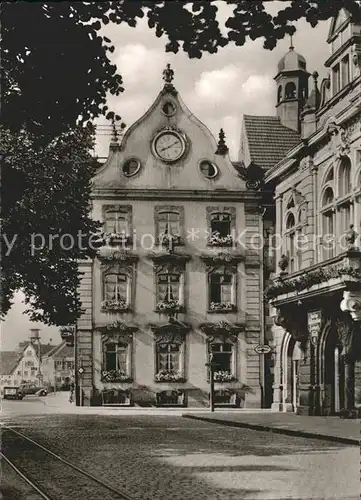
[168, 74]
[222, 147]
[115, 135]
[291, 42]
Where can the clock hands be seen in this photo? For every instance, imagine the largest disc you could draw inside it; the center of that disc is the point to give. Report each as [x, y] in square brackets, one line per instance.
[167, 147]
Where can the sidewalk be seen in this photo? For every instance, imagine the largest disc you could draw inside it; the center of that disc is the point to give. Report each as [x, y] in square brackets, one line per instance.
[328, 428]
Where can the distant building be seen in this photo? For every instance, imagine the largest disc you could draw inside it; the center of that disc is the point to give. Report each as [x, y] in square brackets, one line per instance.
[21, 365]
[58, 366]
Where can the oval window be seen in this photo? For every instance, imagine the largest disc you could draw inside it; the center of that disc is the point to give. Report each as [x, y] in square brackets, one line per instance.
[168, 109]
[208, 169]
[131, 167]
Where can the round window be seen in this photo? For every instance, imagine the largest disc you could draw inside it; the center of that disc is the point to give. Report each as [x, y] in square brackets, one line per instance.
[208, 169]
[131, 167]
[168, 108]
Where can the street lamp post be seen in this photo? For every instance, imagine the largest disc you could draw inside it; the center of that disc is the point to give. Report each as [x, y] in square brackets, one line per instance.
[35, 337]
[212, 365]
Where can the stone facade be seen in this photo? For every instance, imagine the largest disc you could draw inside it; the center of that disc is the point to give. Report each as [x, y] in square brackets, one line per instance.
[176, 279]
[317, 193]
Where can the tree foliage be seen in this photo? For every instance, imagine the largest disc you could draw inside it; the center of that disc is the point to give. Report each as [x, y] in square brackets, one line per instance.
[56, 75]
[45, 221]
[57, 65]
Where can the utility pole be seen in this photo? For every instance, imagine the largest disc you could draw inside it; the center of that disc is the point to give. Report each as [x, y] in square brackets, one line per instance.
[35, 337]
[212, 365]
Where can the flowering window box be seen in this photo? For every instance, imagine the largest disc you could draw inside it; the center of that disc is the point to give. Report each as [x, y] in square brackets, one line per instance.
[223, 376]
[169, 240]
[216, 240]
[114, 306]
[115, 376]
[169, 306]
[222, 307]
[169, 376]
[117, 238]
[170, 398]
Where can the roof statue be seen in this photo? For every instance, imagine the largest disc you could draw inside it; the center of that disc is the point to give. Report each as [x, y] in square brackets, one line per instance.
[168, 74]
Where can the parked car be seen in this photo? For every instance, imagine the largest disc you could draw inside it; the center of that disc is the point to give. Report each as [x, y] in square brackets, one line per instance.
[12, 393]
[26, 389]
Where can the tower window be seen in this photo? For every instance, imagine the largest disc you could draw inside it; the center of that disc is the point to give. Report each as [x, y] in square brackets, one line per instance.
[290, 90]
[336, 79]
[279, 93]
[345, 65]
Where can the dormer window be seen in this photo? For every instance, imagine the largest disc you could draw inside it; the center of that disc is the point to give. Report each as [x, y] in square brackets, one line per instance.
[345, 76]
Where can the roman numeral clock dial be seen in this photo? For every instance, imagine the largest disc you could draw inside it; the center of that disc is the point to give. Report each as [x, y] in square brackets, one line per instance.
[169, 146]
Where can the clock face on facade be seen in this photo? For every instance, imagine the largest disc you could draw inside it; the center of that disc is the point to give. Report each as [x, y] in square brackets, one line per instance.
[169, 146]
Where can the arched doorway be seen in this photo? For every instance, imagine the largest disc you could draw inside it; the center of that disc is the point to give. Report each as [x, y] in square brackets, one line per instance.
[333, 374]
[291, 370]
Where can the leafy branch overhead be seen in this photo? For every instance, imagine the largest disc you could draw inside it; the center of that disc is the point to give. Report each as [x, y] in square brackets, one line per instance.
[57, 66]
[57, 72]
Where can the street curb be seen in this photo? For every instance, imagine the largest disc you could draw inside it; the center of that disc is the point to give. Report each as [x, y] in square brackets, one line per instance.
[276, 430]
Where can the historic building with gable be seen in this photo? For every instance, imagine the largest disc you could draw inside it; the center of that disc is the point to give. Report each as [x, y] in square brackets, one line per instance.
[310, 153]
[176, 282]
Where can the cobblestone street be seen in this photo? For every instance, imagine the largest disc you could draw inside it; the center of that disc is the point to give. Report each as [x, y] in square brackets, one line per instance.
[167, 457]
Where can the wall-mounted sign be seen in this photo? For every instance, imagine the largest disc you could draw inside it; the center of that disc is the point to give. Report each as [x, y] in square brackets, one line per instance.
[262, 349]
[314, 325]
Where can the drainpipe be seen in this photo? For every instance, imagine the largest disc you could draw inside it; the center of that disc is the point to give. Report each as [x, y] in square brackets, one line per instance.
[262, 309]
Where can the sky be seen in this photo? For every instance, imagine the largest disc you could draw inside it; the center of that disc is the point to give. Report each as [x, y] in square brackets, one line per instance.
[217, 88]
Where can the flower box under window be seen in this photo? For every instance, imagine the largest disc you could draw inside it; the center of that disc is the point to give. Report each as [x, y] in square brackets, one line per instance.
[222, 307]
[116, 397]
[169, 240]
[114, 306]
[223, 376]
[169, 376]
[115, 376]
[170, 398]
[168, 306]
[218, 240]
[117, 239]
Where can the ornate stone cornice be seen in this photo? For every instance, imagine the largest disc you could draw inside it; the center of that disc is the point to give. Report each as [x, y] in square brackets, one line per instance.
[108, 254]
[221, 330]
[226, 195]
[221, 258]
[171, 332]
[117, 327]
[168, 257]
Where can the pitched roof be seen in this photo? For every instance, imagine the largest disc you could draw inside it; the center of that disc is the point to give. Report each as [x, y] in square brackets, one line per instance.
[268, 139]
[44, 348]
[8, 361]
[61, 351]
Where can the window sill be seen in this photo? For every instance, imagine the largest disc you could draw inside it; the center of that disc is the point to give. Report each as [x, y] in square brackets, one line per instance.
[221, 244]
[115, 311]
[170, 310]
[179, 381]
[117, 381]
[222, 311]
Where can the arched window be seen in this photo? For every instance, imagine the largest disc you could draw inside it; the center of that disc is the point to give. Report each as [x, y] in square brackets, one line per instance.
[279, 94]
[291, 241]
[290, 90]
[345, 177]
[328, 197]
[328, 223]
[345, 188]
